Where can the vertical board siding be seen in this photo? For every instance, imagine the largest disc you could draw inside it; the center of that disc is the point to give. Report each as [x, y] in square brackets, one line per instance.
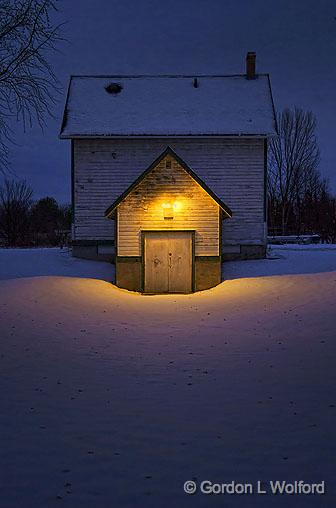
[233, 168]
[194, 210]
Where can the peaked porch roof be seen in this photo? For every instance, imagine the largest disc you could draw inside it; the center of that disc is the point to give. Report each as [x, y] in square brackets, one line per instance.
[184, 165]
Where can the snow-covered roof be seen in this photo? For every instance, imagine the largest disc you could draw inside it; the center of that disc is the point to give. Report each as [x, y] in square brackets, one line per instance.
[168, 106]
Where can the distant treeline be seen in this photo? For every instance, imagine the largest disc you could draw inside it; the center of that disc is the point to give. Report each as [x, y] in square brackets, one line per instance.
[299, 199]
[28, 223]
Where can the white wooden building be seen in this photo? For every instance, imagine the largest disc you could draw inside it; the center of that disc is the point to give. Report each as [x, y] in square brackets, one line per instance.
[169, 174]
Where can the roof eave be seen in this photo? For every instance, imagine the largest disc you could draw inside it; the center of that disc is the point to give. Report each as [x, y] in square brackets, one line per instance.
[144, 136]
[65, 111]
[275, 120]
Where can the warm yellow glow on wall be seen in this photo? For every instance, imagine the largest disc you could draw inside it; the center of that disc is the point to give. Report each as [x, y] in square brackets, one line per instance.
[168, 210]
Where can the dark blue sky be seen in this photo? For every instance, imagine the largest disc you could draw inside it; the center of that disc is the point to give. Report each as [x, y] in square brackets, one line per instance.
[295, 42]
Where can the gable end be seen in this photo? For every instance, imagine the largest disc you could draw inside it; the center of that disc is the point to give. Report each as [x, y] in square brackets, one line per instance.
[172, 153]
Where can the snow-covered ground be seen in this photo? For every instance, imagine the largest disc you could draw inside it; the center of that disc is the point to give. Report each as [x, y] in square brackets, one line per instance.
[17, 263]
[283, 260]
[286, 260]
[115, 399]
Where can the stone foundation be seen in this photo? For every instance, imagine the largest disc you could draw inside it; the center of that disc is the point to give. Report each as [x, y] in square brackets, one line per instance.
[129, 273]
[104, 251]
[93, 250]
[236, 252]
[207, 272]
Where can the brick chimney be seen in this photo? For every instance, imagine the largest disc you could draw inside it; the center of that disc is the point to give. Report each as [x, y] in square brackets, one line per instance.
[250, 65]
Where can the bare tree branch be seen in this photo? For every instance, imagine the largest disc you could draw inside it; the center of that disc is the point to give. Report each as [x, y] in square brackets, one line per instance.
[15, 202]
[28, 84]
[294, 157]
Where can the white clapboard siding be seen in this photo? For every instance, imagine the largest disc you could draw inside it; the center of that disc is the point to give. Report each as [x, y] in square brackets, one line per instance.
[142, 210]
[233, 168]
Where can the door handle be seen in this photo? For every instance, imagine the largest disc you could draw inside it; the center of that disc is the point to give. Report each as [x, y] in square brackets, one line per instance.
[170, 260]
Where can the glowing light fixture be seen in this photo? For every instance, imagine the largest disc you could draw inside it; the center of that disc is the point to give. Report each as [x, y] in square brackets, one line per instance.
[168, 210]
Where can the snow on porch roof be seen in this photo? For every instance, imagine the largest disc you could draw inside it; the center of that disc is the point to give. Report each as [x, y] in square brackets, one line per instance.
[168, 106]
[168, 151]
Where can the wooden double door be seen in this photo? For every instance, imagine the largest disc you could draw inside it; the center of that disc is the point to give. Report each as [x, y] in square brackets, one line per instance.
[168, 261]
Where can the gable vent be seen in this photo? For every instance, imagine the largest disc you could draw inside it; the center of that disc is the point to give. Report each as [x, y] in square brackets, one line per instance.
[114, 88]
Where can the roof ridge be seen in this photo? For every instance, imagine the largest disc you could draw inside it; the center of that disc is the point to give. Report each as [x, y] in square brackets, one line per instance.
[163, 75]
